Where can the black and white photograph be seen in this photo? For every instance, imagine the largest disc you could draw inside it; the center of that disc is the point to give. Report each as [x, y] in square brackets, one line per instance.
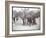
[25, 18]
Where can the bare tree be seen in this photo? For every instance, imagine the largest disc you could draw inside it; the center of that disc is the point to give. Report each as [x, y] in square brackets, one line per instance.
[24, 14]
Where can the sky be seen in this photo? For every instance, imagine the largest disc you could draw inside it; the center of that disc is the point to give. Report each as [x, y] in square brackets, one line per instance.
[22, 9]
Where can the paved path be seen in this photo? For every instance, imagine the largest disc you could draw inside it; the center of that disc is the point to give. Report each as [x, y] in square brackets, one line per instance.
[18, 26]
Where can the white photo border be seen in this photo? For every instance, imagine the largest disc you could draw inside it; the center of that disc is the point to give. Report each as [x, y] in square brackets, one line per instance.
[24, 32]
